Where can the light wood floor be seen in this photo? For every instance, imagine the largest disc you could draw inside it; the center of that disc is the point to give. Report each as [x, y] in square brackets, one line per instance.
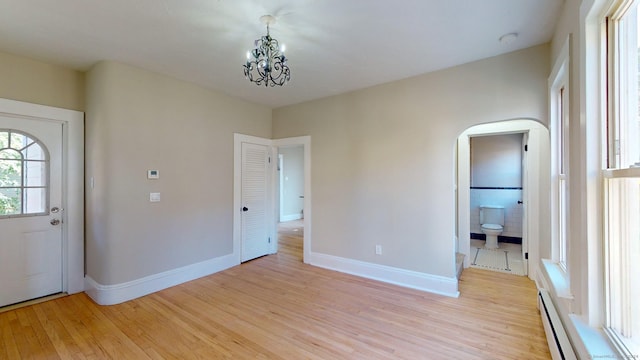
[276, 307]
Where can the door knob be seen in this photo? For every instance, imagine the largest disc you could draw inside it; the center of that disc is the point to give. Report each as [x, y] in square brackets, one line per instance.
[55, 222]
[55, 209]
[244, 208]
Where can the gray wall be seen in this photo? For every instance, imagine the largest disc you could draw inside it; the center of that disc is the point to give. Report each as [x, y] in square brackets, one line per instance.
[383, 158]
[137, 120]
[293, 182]
[37, 82]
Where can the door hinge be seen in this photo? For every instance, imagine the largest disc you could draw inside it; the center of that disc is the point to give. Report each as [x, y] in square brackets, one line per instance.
[526, 256]
[269, 240]
[526, 148]
[269, 159]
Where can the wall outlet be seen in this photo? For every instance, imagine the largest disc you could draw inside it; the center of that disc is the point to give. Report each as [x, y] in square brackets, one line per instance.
[378, 249]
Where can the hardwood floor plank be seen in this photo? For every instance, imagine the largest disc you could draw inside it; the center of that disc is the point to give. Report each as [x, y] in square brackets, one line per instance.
[277, 307]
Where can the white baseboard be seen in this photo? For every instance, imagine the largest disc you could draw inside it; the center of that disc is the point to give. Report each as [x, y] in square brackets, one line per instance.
[118, 293]
[407, 278]
[290, 217]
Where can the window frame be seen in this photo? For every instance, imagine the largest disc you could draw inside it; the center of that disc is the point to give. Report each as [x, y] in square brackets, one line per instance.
[621, 176]
[559, 100]
[23, 186]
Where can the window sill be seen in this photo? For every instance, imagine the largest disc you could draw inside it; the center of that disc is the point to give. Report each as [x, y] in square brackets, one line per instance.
[558, 278]
[588, 342]
[594, 340]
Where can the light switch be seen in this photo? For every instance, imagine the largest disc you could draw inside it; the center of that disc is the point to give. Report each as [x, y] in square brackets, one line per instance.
[154, 197]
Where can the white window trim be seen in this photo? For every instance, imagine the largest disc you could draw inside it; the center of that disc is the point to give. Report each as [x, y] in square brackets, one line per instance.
[620, 109]
[559, 79]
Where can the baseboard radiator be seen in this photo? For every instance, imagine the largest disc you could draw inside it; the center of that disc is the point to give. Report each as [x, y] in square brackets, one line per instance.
[559, 344]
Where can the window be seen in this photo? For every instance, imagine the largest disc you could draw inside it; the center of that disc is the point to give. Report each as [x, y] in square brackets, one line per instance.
[23, 175]
[559, 101]
[622, 177]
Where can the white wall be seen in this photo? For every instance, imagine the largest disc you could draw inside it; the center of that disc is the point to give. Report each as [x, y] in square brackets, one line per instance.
[507, 198]
[292, 205]
[384, 157]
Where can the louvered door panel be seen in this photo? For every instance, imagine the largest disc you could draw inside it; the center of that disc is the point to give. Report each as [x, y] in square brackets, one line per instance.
[255, 236]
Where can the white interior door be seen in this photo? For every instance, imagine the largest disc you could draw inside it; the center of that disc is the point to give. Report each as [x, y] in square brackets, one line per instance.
[255, 234]
[30, 209]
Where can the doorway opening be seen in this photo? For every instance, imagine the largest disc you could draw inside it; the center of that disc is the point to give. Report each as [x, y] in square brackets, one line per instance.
[294, 195]
[246, 231]
[534, 142]
[291, 200]
[498, 164]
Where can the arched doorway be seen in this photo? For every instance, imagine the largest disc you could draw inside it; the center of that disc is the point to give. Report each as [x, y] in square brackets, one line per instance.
[535, 189]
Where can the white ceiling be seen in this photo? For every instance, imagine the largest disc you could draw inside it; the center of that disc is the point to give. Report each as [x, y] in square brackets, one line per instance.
[333, 46]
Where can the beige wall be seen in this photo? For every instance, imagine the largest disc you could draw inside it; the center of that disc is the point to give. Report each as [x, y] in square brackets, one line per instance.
[36, 82]
[138, 120]
[383, 158]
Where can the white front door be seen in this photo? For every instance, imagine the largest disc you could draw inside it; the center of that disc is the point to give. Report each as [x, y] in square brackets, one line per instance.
[255, 234]
[30, 209]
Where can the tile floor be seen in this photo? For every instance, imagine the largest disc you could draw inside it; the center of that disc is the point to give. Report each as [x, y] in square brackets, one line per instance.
[495, 260]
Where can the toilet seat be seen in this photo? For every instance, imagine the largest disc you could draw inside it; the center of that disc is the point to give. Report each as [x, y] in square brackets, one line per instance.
[492, 226]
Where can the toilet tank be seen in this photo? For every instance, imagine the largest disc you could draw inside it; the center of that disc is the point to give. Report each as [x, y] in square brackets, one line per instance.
[490, 214]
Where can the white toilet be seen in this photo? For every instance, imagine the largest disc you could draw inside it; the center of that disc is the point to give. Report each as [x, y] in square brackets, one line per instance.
[492, 222]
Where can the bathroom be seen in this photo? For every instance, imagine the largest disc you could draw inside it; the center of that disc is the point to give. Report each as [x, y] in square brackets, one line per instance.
[496, 185]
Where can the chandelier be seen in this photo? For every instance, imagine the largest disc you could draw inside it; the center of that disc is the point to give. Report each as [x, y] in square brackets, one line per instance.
[266, 64]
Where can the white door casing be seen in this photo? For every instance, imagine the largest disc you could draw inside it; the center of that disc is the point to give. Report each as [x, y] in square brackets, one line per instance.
[67, 126]
[272, 181]
[525, 195]
[538, 144]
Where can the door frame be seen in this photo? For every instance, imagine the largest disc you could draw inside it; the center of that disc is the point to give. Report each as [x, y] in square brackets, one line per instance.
[238, 139]
[72, 183]
[538, 141]
[305, 141]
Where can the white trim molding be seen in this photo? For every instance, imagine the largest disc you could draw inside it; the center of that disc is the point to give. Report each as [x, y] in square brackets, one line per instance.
[118, 293]
[447, 286]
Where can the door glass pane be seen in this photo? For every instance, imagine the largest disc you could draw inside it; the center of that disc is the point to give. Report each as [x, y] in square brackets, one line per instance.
[35, 173]
[35, 200]
[18, 141]
[10, 203]
[24, 170]
[10, 154]
[34, 152]
[4, 139]
[10, 173]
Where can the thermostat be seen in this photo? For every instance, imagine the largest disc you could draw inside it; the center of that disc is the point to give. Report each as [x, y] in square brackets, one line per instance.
[153, 174]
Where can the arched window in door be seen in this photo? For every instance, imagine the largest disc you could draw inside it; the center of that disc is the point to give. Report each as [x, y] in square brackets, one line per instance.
[24, 166]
